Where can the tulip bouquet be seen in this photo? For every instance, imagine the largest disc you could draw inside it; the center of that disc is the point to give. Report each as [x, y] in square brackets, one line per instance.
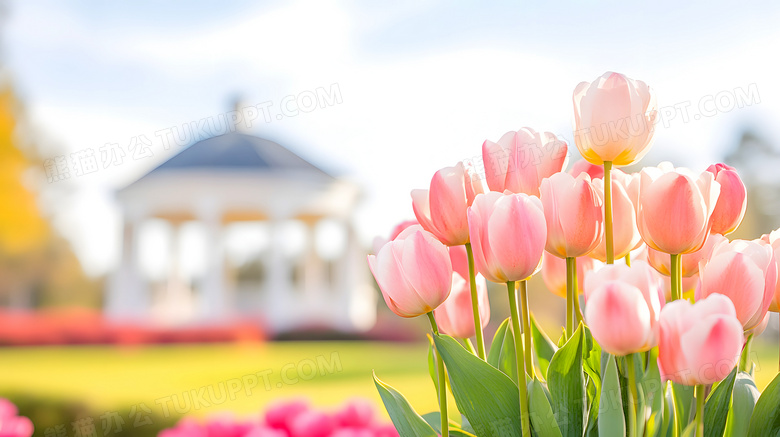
[661, 306]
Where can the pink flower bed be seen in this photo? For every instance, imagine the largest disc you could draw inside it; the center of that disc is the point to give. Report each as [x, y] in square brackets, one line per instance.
[291, 419]
[11, 424]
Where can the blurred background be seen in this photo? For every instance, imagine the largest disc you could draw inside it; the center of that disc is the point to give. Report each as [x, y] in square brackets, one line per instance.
[190, 188]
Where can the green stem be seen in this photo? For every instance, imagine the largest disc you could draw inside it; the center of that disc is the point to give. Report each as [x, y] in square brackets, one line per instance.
[632, 399]
[521, 378]
[677, 423]
[577, 311]
[700, 410]
[571, 280]
[676, 278]
[628, 259]
[445, 432]
[526, 320]
[475, 304]
[608, 212]
[469, 346]
[744, 360]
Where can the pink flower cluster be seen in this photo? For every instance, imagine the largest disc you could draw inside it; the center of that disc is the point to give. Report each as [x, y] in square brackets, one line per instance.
[294, 418]
[11, 424]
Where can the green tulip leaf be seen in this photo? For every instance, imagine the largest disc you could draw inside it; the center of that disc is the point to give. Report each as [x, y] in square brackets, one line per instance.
[743, 401]
[432, 365]
[406, 421]
[766, 414]
[544, 348]
[542, 418]
[655, 396]
[690, 430]
[566, 381]
[591, 356]
[611, 421]
[716, 409]
[683, 405]
[434, 420]
[502, 351]
[485, 395]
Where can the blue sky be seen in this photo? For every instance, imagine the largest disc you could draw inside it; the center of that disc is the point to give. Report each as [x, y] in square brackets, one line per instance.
[423, 83]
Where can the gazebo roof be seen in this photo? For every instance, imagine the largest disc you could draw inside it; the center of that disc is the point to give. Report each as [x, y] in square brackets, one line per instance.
[237, 151]
[245, 175]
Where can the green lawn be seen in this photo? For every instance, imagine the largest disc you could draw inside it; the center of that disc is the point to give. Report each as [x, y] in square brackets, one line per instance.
[241, 378]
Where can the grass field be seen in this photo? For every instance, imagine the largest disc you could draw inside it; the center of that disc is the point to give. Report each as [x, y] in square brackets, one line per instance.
[203, 380]
[240, 378]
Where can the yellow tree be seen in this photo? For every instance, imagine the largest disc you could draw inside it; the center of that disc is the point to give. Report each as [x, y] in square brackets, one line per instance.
[37, 266]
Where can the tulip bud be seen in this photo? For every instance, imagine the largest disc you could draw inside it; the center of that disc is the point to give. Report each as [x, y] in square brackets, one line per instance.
[414, 272]
[745, 272]
[614, 119]
[573, 213]
[520, 160]
[622, 306]
[673, 214]
[732, 201]
[689, 262]
[442, 209]
[699, 343]
[508, 234]
[455, 316]
[400, 227]
[582, 166]
[773, 239]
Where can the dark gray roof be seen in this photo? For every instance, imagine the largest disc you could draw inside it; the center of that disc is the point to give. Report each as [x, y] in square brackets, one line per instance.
[237, 151]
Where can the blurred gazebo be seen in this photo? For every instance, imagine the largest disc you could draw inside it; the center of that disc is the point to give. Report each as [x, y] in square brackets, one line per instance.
[294, 261]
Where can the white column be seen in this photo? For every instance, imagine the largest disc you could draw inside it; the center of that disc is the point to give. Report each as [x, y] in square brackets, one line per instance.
[213, 302]
[358, 295]
[178, 298]
[313, 280]
[128, 294]
[278, 303]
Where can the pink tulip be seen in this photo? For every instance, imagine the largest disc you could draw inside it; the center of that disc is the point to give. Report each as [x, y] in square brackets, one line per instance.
[614, 117]
[689, 261]
[554, 273]
[414, 272]
[732, 201]
[673, 215]
[622, 306]
[773, 239]
[442, 209]
[312, 423]
[520, 160]
[352, 432]
[573, 213]
[379, 241]
[508, 234]
[625, 235]
[280, 416]
[259, 431]
[760, 328]
[460, 260]
[357, 413]
[455, 316]
[745, 272]
[582, 166]
[699, 343]
[385, 431]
